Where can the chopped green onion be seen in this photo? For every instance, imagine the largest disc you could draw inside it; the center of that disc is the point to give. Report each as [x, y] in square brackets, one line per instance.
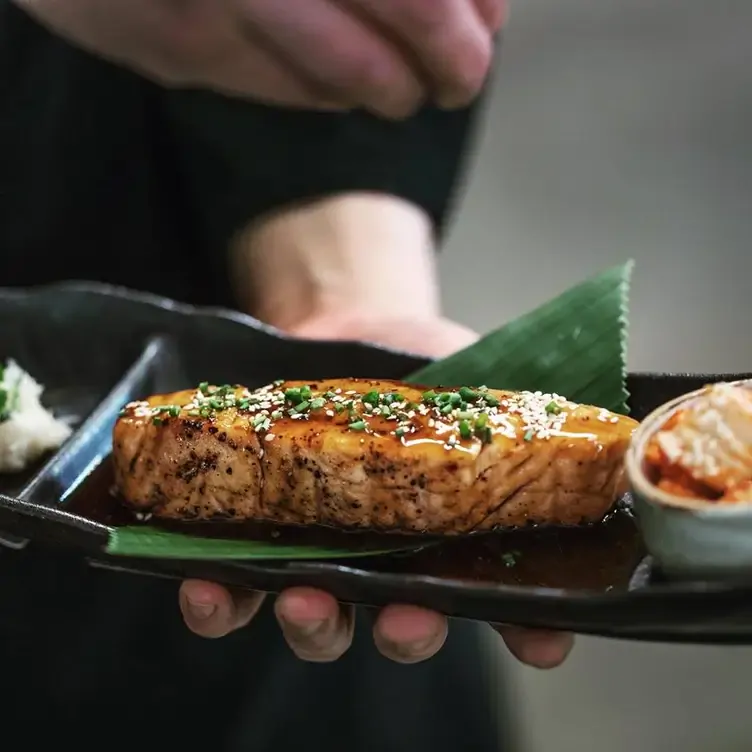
[484, 434]
[509, 559]
[293, 395]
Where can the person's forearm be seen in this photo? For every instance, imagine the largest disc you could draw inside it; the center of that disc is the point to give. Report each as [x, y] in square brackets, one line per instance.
[353, 255]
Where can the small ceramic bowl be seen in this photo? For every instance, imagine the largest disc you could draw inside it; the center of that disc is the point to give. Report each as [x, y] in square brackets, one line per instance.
[688, 538]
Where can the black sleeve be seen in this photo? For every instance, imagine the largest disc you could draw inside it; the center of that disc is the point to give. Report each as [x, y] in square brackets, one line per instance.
[241, 159]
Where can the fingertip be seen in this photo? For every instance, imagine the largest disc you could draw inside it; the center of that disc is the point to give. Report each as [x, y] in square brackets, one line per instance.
[207, 608]
[201, 592]
[538, 648]
[402, 623]
[409, 634]
[303, 605]
[314, 625]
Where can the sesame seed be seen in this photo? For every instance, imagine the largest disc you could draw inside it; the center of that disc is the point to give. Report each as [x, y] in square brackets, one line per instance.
[461, 415]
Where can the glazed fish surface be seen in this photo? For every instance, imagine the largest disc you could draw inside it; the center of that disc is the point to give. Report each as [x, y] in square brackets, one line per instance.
[368, 454]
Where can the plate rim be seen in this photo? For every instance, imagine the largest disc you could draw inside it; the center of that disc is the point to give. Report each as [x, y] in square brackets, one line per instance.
[171, 305]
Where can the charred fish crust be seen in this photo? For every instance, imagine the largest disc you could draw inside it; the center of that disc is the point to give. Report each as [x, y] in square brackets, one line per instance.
[196, 465]
[157, 497]
[189, 512]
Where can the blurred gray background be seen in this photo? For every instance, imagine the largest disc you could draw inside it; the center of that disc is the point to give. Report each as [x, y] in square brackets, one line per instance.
[618, 129]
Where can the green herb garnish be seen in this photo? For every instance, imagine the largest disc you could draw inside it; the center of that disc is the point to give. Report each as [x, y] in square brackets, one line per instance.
[293, 395]
[510, 558]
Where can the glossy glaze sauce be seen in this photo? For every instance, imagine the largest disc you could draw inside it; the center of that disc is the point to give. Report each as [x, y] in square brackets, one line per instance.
[463, 418]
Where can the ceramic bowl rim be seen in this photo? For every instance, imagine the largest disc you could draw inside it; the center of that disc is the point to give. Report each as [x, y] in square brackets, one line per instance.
[648, 492]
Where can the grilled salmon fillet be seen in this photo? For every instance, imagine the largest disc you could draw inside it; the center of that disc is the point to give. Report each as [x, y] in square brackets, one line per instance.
[368, 454]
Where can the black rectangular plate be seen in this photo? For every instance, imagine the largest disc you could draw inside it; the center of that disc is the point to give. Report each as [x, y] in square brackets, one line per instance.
[96, 348]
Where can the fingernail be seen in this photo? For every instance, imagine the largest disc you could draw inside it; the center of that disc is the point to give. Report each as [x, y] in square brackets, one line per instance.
[200, 611]
[305, 630]
[414, 649]
[420, 647]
